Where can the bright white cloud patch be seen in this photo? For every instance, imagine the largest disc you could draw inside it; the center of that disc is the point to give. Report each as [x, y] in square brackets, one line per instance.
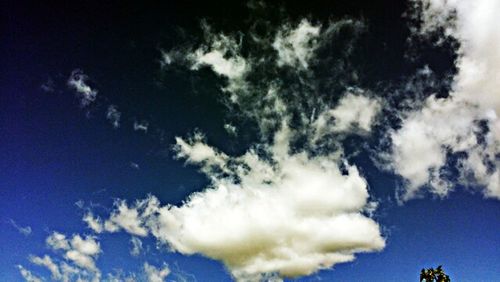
[232, 67]
[80, 250]
[222, 55]
[420, 147]
[154, 274]
[273, 210]
[57, 241]
[94, 223]
[141, 126]
[78, 82]
[74, 260]
[293, 217]
[354, 113]
[296, 47]
[125, 218]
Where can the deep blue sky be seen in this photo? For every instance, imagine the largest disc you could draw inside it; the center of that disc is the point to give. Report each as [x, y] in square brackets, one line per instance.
[53, 153]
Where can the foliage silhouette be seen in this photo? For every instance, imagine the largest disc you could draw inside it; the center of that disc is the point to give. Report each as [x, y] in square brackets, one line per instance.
[434, 275]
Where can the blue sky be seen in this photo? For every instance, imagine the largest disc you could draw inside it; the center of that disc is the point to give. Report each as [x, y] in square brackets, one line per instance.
[364, 141]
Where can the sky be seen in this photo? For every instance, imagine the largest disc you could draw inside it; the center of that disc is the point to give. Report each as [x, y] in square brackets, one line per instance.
[249, 141]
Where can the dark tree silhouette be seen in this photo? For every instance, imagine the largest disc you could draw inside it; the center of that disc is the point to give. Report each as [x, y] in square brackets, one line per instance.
[434, 275]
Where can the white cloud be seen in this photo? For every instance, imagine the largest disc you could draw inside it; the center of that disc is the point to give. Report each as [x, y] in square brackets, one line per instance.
[87, 246]
[231, 68]
[222, 55]
[47, 262]
[113, 115]
[135, 165]
[78, 82]
[94, 223]
[80, 250]
[26, 231]
[293, 217]
[77, 262]
[48, 86]
[354, 113]
[420, 147]
[195, 151]
[125, 218]
[479, 61]
[136, 246]
[273, 210]
[154, 274]
[231, 129]
[27, 275]
[57, 241]
[141, 126]
[62, 271]
[296, 47]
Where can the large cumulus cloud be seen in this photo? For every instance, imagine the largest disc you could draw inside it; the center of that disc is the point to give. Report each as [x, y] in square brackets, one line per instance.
[280, 208]
[465, 122]
[293, 215]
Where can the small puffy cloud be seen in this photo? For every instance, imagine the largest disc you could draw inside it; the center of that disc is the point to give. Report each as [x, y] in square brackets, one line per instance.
[296, 46]
[471, 23]
[94, 223]
[222, 56]
[279, 209]
[136, 246]
[154, 274]
[26, 230]
[231, 68]
[113, 115]
[76, 262]
[27, 275]
[62, 271]
[141, 126]
[125, 218]
[80, 250]
[87, 246]
[353, 113]
[421, 145]
[231, 129]
[57, 241]
[78, 81]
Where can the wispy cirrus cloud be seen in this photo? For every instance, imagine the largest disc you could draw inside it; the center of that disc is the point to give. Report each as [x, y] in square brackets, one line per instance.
[78, 81]
[113, 115]
[136, 246]
[24, 230]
